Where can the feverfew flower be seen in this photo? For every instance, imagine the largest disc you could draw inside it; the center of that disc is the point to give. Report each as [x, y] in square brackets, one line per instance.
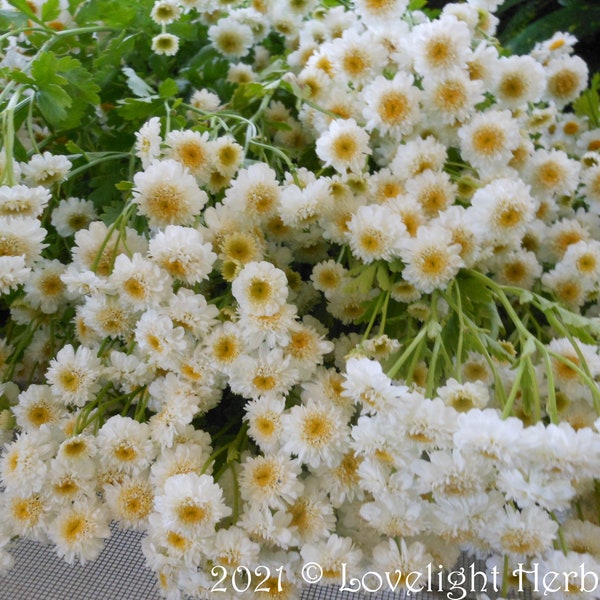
[344, 146]
[23, 201]
[73, 214]
[168, 194]
[46, 169]
[260, 288]
[191, 504]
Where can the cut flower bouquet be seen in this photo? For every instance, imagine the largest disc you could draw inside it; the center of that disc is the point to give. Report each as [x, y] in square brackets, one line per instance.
[298, 282]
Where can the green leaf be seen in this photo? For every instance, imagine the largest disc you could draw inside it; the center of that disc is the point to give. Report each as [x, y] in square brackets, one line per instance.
[136, 84]
[168, 88]
[383, 277]
[133, 109]
[53, 103]
[44, 69]
[588, 104]
[50, 10]
[12, 19]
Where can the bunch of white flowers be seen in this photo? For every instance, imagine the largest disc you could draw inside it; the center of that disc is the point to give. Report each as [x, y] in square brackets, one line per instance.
[358, 328]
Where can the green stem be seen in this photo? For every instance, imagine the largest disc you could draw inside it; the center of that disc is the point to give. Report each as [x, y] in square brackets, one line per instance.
[373, 316]
[407, 352]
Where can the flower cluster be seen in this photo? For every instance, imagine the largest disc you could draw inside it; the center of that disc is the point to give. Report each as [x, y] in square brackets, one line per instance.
[344, 308]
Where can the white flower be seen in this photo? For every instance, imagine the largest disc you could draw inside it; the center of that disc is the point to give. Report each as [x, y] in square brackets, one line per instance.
[440, 46]
[79, 530]
[432, 259]
[46, 169]
[231, 38]
[72, 214]
[260, 288]
[159, 338]
[552, 172]
[13, 272]
[37, 406]
[332, 555]
[168, 194]
[73, 375]
[23, 201]
[489, 139]
[567, 77]
[147, 141]
[21, 236]
[374, 233]
[264, 421]
[316, 433]
[125, 445]
[392, 105]
[380, 13]
[131, 501]
[344, 146]
[165, 43]
[165, 12]
[193, 150]
[271, 480]
[520, 80]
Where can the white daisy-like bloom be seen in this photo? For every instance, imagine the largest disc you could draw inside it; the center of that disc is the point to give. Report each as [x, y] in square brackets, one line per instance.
[21, 236]
[584, 258]
[419, 155]
[566, 376]
[165, 43]
[482, 64]
[380, 12]
[260, 288]
[315, 433]
[23, 201]
[227, 156]
[264, 422]
[160, 339]
[582, 536]
[231, 38]
[205, 100]
[193, 150]
[486, 434]
[393, 516]
[138, 282]
[401, 559]
[501, 210]
[391, 105]
[232, 547]
[590, 178]
[576, 571]
[329, 276]
[255, 193]
[432, 259]
[517, 268]
[464, 396]
[13, 272]
[71, 215]
[46, 169]
[37, 407]
[65, 485]
[356, 56]
[567, 285]
[131, 501]
[452, 98]
[489, 139]
[440, 46]
[165, 12]
[181, 458]
[73, 375]
[552, 172]
[269, 374]
[24, 462]
[78, 453]
[567, 77]
[333, 555]
[374, 233]
[79, 530]
[126, 445]
[148, 141]
[181, 252]
[366, 383]
[520, 79]
[344, 146]
[271, 481]
[28, 514]
[433, 190]
[106, 316]
[559, 236]
[241, 73]
[192, 312]
[560, 44]
[45, 290]
[306, 346]
[167, 193]
[96, 247]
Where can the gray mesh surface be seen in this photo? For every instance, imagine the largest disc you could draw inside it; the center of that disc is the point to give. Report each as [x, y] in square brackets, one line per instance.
[120, 573]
